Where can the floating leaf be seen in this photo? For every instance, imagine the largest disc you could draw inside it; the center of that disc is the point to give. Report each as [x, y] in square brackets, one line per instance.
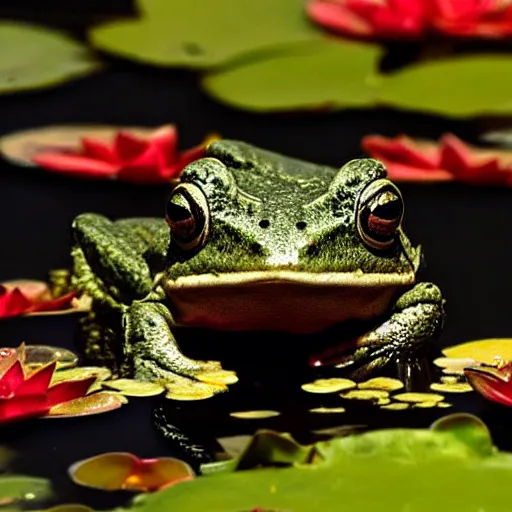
[483, 351]
[454, 366]
[384, 383]
[41, 355]
[451, 387]
[365, 394]
[123, 471]
[418, 397]
[34, 57]
[254, 415]
[395, 407]
[330, 74]
[129, 387]
[219, 377]
[96, 403]
[457, 87]
[444, 405]
[328, 410]
[203, 34]
[234, 445]
[69, 507]
[425, 405]
[82, 372]
[328, 385]
[15, 488]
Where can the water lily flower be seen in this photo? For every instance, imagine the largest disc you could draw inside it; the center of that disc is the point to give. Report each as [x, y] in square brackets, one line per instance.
[413, 19]
[26, 393]
[449, 159]
[29, 297]
[133, 158]
[124, 471]
[492, 382]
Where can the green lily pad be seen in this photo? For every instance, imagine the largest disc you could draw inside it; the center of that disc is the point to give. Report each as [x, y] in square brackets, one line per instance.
[35, 57]
[331, 74]
[203, 34]
[16, 488]
[455, 87]
[397, 469]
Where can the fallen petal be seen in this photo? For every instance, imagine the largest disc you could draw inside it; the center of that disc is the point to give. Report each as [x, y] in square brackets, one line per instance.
[154, 474]
[107, 471]
[88, 405]
[490, 386]
[13, 303]
[34, 291]
[76, 165]
[68, 391]
[64, 302]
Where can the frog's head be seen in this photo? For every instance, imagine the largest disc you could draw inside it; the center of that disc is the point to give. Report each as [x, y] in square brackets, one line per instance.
[245, 210]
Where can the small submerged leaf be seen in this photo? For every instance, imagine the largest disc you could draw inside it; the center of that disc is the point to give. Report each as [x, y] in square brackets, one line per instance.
[129, 387]
[451, 387]
[425, 405]
[15, 488]
[384, 383]
[365, 394]
[254, 415]
[35, 57]
[328, 385]
[419, 397]
[395, 407]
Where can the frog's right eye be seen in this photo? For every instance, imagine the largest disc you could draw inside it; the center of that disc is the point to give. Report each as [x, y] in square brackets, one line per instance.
[188, 216]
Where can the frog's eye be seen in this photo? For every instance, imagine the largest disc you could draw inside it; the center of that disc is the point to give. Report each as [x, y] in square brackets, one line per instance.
[379, 214]
[187, 214]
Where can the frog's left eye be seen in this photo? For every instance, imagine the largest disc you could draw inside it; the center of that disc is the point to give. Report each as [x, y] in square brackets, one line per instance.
[379, 214]
[188, 214]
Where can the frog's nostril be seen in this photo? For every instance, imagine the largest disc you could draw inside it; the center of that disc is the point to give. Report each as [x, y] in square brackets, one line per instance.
[301, 225]
[264, 223]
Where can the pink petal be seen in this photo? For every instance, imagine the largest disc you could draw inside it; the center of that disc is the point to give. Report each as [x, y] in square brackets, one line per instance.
[336, 17]
[145, 169]
[64, 302]
[407, 173]
[489, 386]
[166, 140]
[37, 383]
[128, 146]
[76, 165]
[22, 408]
[97, 150]
[402, 149]
[68, 390]
[34, 291]
[13, 303]
[11, 380]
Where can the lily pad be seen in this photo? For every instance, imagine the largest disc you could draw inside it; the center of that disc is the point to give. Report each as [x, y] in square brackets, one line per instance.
[129, 387]
[485, 351]
[326, 74]
[328, 385]
[35, 57]
[203, 34]
[97, 403]
[456, 87]
[14, 488]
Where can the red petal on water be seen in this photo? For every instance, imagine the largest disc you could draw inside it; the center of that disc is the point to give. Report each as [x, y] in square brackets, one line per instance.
[490, 386]
[22, 408]
[404, 150]
[13, 302]
[38, 382]
[406, 173]
[93, 148]
[68, 390]
[11, 380]
[145, 169]
[338, 18]
[166, 140]
[128, 147]
[34, 291]
[76, 165]
[64, 302]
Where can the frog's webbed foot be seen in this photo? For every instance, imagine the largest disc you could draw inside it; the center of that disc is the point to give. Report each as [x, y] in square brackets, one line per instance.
[416, 322]
[151, 353]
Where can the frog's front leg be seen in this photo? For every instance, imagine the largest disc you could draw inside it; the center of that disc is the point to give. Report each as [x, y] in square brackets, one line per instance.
[151, 353]
[416, 321]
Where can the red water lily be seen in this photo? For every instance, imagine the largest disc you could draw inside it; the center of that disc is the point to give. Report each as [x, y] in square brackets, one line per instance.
[413, 19]
[26, 297]
[124, 471]
[449, 159]
[494, 383]
[26, 393]
[134, 158]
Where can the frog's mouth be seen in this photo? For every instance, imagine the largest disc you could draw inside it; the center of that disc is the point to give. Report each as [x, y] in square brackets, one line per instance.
[281, 300]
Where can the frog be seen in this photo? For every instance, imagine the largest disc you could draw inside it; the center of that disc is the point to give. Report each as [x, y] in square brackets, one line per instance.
[253, 240]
